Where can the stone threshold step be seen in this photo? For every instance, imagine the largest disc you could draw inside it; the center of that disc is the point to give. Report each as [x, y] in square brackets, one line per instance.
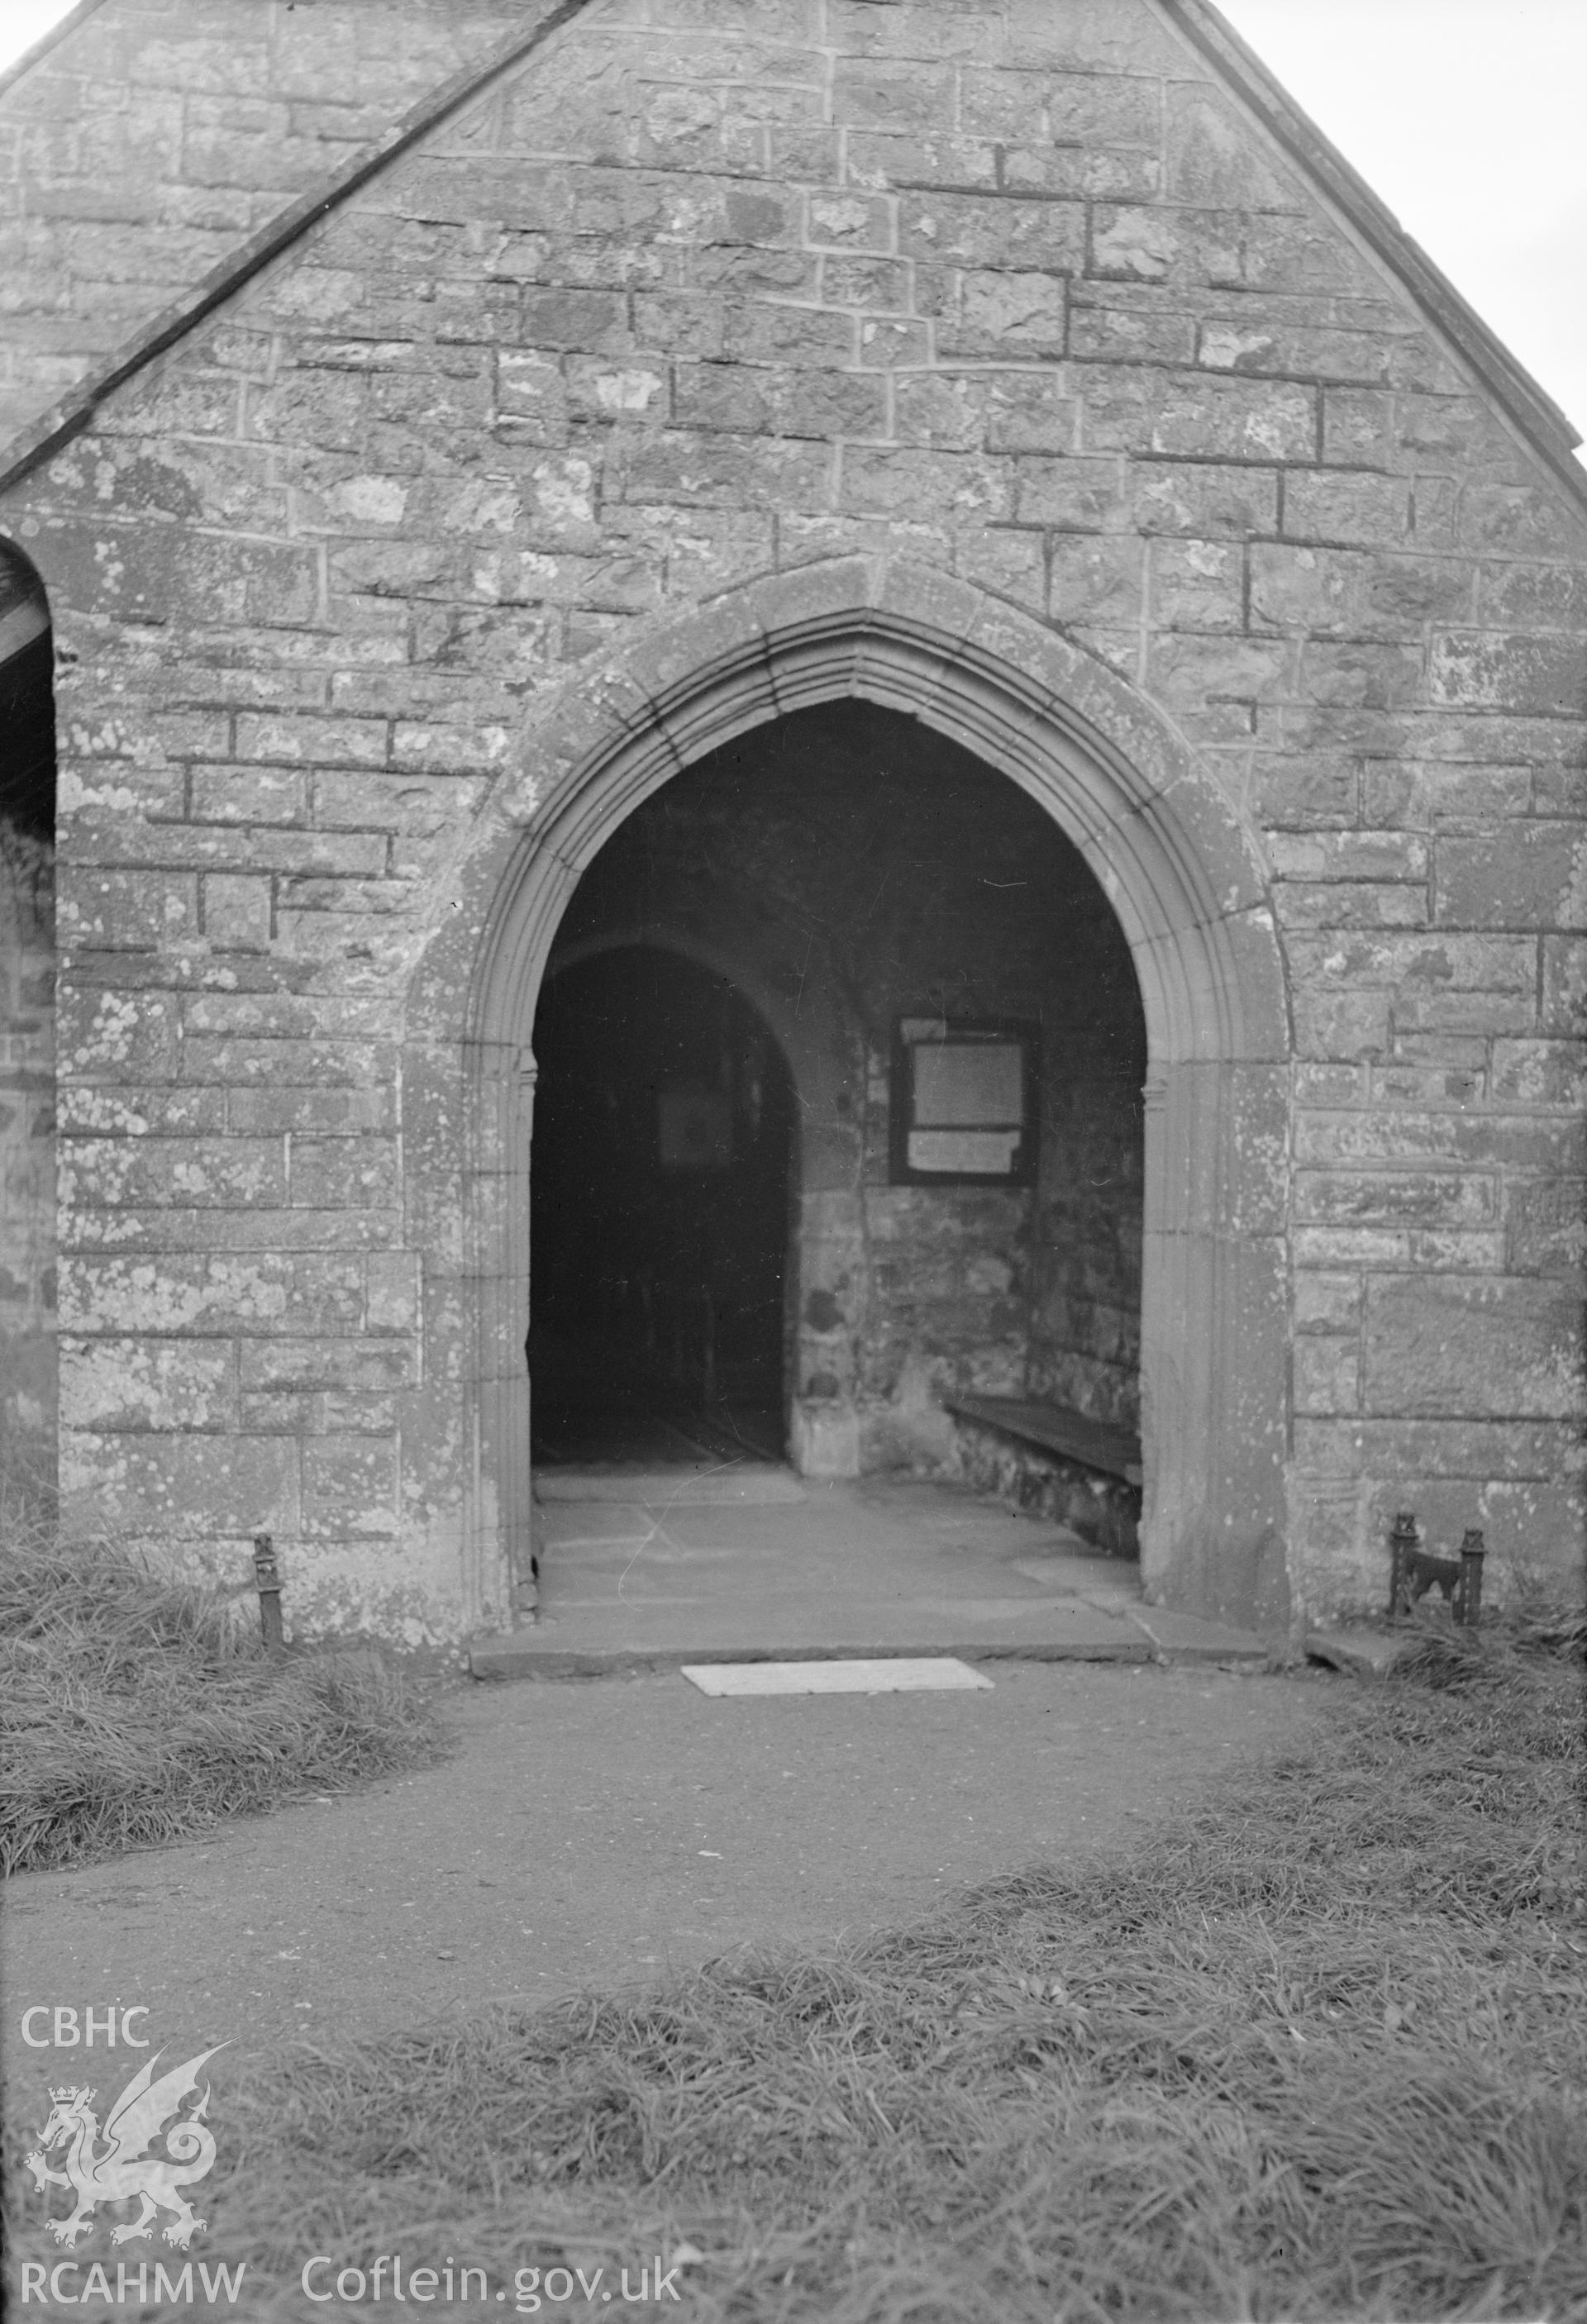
[522, 1655]
[744, 1484]
[1158, 1635]
[1186, 1638]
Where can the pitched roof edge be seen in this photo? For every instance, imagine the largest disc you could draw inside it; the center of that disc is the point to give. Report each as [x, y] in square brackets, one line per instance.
[1534, 410]
[67, 418]
[13, 72]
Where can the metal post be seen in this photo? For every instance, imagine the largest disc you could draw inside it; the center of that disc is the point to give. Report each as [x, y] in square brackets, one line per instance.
[1402, 1543]
[267, 1582]
[1469, 1609]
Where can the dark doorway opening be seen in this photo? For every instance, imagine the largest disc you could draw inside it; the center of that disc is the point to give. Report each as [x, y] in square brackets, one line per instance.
[661, 1218]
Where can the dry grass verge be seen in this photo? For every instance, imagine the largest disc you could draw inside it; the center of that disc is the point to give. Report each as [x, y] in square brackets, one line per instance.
[135, 1711]
[1321, 2054]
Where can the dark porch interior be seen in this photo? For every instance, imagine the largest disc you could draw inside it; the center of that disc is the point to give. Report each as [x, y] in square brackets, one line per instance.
[867, 881]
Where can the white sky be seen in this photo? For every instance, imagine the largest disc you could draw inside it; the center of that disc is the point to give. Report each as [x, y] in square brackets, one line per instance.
[1466, 117]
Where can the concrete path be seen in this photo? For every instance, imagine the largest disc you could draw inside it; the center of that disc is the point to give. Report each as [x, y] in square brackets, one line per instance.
[607, 1831]
[644, 1569]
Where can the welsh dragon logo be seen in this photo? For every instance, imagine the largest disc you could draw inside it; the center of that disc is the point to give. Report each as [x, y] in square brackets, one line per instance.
[124, 2172]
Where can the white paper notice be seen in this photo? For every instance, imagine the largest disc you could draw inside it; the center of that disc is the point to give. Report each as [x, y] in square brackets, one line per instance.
[969, 1083]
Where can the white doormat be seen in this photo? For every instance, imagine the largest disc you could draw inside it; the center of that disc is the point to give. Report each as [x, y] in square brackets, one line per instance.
[888, 1675]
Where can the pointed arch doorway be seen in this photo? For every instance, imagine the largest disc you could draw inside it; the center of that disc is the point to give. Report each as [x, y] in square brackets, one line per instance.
[1187, 885]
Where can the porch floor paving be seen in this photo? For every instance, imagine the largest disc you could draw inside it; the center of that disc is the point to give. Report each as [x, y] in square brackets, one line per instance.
[649, 1568]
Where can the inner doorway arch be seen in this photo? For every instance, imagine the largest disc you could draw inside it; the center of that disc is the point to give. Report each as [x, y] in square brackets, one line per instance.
[665, 1172]
[1187, 882]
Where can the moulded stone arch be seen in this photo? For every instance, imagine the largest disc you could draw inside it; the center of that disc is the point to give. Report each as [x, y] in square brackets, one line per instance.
[1185, 877]
[29, 1396]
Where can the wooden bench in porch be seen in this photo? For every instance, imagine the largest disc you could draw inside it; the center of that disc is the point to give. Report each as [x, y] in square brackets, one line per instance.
[1093, 1443]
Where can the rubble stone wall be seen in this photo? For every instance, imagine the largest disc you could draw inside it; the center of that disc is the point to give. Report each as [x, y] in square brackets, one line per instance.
[708, 290]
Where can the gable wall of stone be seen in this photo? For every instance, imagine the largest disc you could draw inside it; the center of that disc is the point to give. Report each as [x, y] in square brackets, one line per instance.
[706, 291]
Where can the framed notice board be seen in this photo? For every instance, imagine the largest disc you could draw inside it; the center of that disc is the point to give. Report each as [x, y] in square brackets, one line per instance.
[963, 1109]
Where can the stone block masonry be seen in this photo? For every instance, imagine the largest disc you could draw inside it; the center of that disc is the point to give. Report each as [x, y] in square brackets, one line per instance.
[1023, 296]
[139, 151]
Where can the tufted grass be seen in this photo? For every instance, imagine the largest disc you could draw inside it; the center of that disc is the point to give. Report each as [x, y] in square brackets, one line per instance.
[1320, 2053]
[135, 1710]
